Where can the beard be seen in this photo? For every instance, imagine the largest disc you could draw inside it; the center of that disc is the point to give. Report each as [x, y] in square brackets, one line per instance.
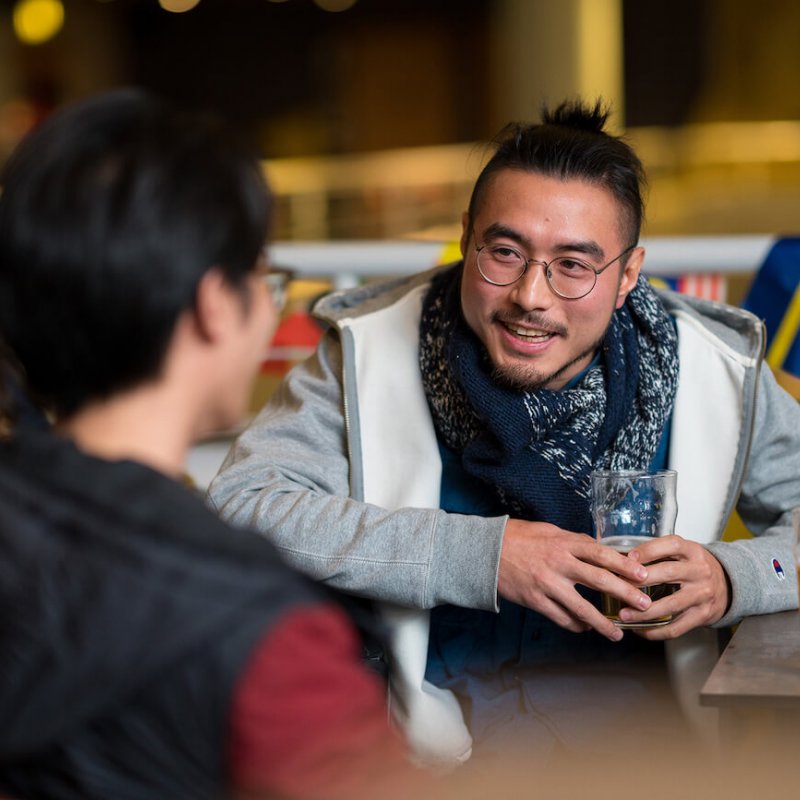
[523, 378]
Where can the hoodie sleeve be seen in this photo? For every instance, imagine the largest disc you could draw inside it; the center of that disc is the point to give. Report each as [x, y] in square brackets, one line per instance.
[288, 476]
[761, 569]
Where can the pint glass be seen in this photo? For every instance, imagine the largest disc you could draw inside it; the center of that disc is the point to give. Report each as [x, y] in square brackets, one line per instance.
[630, 507]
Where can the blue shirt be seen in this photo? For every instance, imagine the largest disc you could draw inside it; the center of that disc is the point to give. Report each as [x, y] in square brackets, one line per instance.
[483, 657]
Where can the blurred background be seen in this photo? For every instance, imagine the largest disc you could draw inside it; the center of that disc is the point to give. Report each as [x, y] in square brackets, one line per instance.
[372, 117]
[371, 114]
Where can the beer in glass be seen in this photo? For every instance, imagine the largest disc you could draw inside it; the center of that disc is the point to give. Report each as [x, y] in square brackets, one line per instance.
[630, 507]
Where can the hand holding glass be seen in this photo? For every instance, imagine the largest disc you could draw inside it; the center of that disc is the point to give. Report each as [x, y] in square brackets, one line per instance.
[629, 508]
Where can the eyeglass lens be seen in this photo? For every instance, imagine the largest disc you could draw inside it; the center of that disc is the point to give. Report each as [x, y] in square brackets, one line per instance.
[277, 283]
[567, 277]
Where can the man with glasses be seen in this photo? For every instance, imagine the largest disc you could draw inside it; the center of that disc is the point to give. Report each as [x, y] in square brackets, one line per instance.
[436, 455]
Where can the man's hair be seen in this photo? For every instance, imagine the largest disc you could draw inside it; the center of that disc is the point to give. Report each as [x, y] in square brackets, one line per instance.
[570, 143]
[111, 212]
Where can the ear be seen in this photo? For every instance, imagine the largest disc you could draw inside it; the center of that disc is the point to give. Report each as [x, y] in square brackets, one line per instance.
[213, 302]
[464, 233]
[630, 274]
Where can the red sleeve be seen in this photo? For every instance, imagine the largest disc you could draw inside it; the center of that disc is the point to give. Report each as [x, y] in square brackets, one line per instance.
[309, 721]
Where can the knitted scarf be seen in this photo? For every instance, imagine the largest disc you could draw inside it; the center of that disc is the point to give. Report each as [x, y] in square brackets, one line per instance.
[537, 449]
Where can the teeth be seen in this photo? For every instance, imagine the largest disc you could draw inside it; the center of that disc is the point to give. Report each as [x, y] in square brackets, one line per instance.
[527, 333]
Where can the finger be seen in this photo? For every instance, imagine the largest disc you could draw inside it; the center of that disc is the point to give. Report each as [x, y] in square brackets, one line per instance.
[680, 625]
[589, 615]
[662, 547]
[608, 583]
[607, 557]
[679, 572]
[657, 613]
[583, 612]
[679, 602]
[696, 569]
[558, 614]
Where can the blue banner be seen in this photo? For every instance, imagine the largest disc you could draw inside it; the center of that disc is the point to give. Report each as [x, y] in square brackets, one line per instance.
[774, 296]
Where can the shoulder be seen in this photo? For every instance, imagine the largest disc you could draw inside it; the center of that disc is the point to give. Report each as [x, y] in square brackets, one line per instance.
[304, 695]
[372, 296]
[722, 325]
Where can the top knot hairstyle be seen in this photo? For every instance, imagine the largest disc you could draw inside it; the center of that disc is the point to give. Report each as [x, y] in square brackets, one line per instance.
[571, 143]
[574, 114]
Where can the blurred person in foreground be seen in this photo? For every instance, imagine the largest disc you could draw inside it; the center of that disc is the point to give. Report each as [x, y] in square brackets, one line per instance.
[148, 650]
[436, 452]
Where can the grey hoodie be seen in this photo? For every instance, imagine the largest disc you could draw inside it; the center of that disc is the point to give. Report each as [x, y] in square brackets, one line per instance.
[341, 471]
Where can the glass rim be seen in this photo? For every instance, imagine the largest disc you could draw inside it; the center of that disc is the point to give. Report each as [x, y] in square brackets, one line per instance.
[633, 473]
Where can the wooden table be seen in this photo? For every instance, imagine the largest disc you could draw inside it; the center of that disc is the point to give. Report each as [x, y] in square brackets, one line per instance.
[756, 682]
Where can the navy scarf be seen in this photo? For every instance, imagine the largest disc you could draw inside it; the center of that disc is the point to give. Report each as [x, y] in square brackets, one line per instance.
[537, 449]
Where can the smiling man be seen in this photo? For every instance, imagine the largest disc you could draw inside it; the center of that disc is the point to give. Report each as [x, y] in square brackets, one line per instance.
[436, 452]
[533, 339]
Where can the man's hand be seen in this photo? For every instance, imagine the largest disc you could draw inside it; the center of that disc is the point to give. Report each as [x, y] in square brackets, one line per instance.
[540, 565]
[703, 596]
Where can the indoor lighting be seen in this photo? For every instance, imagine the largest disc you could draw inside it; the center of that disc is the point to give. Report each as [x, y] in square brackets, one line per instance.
[335, 5]
[37, 21]
[178, 6]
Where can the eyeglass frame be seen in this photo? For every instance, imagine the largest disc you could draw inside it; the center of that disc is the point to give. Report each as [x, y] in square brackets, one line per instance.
[546, 265]
[276, 279]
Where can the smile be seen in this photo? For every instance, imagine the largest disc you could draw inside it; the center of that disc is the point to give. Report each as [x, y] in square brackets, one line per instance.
[529, 334]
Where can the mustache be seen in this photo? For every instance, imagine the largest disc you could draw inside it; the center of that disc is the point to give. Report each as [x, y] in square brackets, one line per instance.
[530, 319]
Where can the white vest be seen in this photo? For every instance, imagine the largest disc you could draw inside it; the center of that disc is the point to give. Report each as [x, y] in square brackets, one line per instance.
[402, 468]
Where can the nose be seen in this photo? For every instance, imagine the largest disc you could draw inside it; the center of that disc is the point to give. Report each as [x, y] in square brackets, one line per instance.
[532, 291]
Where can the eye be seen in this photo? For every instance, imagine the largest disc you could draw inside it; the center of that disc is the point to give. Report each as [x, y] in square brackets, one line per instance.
[504, 254]
[571, 267]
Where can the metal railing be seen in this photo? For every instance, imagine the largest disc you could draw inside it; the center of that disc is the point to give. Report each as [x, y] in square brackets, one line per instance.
[345, 263]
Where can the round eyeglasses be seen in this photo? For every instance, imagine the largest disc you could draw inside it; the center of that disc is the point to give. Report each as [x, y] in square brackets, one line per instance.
[568, 277]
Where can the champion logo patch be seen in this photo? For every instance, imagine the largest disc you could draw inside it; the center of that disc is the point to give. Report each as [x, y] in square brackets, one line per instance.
[776, 565]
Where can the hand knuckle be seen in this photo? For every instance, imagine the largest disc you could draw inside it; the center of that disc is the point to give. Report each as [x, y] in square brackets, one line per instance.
[603, 579]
